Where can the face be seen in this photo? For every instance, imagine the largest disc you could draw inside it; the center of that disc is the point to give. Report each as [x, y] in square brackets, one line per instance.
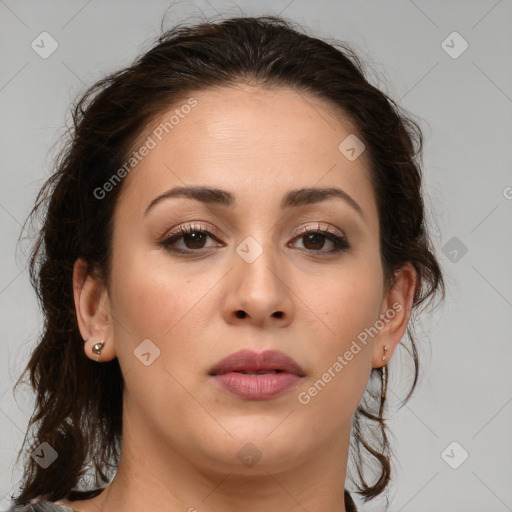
[245, 275]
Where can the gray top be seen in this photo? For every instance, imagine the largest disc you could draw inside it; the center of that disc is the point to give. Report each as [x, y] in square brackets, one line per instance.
[44, 506]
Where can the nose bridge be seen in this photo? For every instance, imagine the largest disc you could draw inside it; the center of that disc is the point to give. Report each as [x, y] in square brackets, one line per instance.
[259, 289]
[256, 259]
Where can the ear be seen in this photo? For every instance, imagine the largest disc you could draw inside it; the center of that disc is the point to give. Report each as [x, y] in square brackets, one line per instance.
[92, 311]
[394, 315]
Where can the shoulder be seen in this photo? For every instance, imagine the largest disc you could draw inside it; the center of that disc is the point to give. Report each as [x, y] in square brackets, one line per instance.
[42, 506]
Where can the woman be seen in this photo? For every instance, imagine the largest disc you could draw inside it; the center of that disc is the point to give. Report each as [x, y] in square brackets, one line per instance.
[233, 248]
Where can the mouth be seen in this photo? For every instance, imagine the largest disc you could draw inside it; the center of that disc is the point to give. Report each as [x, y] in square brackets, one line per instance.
[254, 363]
[260, 372]
[256, 376]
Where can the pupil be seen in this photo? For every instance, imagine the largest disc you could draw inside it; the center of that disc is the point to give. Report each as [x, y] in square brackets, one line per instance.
[314, 239]
[195, 238]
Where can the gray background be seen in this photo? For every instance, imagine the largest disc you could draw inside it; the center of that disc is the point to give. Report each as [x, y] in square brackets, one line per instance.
[465, 391]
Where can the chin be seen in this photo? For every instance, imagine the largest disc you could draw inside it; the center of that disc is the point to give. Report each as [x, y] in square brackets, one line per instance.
[255, 449]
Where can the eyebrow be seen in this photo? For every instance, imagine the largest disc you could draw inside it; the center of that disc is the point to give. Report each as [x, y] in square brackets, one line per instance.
[293, 199]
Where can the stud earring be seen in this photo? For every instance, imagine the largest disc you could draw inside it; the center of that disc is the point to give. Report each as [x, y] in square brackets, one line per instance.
[97, 349]
[386, 348]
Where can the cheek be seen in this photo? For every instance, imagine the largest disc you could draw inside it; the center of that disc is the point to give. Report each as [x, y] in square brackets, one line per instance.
[341, 360]
[346, 300]
[353, 306]
[346, 304]
[145, 301]
[158, 300]
[151, 302]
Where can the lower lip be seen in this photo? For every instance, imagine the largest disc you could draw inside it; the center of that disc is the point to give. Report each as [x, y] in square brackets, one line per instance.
[257, 387]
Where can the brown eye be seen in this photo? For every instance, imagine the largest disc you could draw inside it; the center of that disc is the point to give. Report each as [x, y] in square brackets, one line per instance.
[314, 241]
[196, 239]
[193, 238]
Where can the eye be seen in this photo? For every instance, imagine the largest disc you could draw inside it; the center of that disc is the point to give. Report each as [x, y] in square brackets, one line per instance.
[314, 240]
[194, 238]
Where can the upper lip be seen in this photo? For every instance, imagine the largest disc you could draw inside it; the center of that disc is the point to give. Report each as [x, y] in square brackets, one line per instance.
[248, 360]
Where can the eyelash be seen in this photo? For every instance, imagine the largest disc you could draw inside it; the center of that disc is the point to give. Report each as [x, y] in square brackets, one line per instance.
[340, 243]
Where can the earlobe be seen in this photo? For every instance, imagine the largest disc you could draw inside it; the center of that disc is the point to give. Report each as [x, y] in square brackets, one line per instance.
[92, 311]
[395, 313]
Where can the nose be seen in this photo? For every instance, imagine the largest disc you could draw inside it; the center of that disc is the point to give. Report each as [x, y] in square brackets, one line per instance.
[259, 291]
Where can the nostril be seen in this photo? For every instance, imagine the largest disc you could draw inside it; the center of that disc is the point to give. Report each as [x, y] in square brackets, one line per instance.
[242, 314]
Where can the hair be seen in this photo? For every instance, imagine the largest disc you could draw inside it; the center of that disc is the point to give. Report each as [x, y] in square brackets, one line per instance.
[78, 407]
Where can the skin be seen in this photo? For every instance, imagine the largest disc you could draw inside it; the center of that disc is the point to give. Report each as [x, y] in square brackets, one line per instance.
[182, 433]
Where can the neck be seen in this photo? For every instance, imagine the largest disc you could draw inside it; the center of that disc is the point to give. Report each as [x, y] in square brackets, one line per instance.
[150, 477]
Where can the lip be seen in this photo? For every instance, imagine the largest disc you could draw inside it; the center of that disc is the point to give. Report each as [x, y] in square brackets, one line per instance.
[285, 373]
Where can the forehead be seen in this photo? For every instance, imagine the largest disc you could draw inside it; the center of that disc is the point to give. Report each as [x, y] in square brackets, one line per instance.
[250, 139]
[234, 118]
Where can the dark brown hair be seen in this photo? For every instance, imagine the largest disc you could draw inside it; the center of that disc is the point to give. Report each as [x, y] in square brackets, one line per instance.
[79, 402]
